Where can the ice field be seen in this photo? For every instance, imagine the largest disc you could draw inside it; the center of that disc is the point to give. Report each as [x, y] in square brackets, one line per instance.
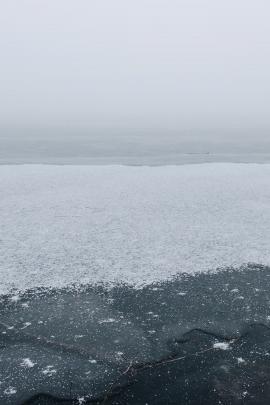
[62, 225]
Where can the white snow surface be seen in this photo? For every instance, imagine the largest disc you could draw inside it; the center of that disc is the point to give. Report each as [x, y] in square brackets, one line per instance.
[77, 224]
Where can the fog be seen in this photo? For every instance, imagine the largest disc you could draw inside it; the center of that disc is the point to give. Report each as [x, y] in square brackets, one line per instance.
[147, 65]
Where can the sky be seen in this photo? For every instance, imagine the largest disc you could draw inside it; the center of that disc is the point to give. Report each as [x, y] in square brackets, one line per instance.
[139, 65]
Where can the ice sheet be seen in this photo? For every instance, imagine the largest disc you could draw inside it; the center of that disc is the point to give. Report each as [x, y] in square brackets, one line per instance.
[77, 224]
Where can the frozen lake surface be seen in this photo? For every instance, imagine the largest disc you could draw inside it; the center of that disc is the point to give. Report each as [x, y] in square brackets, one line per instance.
[62, 225]
[185, 253]
[200, 339]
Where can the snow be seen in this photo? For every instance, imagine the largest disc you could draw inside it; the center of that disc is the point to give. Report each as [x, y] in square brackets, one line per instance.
[109, 320]
[240, 360]
[15, 298]
[27, 363]
[221, 345]
[49, 370]
[26, 324]
[61, 225]
[10, 391]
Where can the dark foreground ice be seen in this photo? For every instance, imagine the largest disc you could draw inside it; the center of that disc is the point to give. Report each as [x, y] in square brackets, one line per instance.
[202, 339]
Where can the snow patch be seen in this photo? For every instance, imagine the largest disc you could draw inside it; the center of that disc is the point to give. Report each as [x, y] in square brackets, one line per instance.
[27, 363]
[49, 370]
[109, 320]
[10, 391]
[221, 345]
[26, 324]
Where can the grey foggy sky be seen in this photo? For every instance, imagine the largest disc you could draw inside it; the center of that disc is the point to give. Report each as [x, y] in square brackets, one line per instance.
[179, 64]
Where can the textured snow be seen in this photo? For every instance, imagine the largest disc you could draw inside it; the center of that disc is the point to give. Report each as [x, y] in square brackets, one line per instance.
[77, 224]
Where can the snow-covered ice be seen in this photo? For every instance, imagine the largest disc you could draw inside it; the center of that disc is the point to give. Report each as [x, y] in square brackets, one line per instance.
[77, 224]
